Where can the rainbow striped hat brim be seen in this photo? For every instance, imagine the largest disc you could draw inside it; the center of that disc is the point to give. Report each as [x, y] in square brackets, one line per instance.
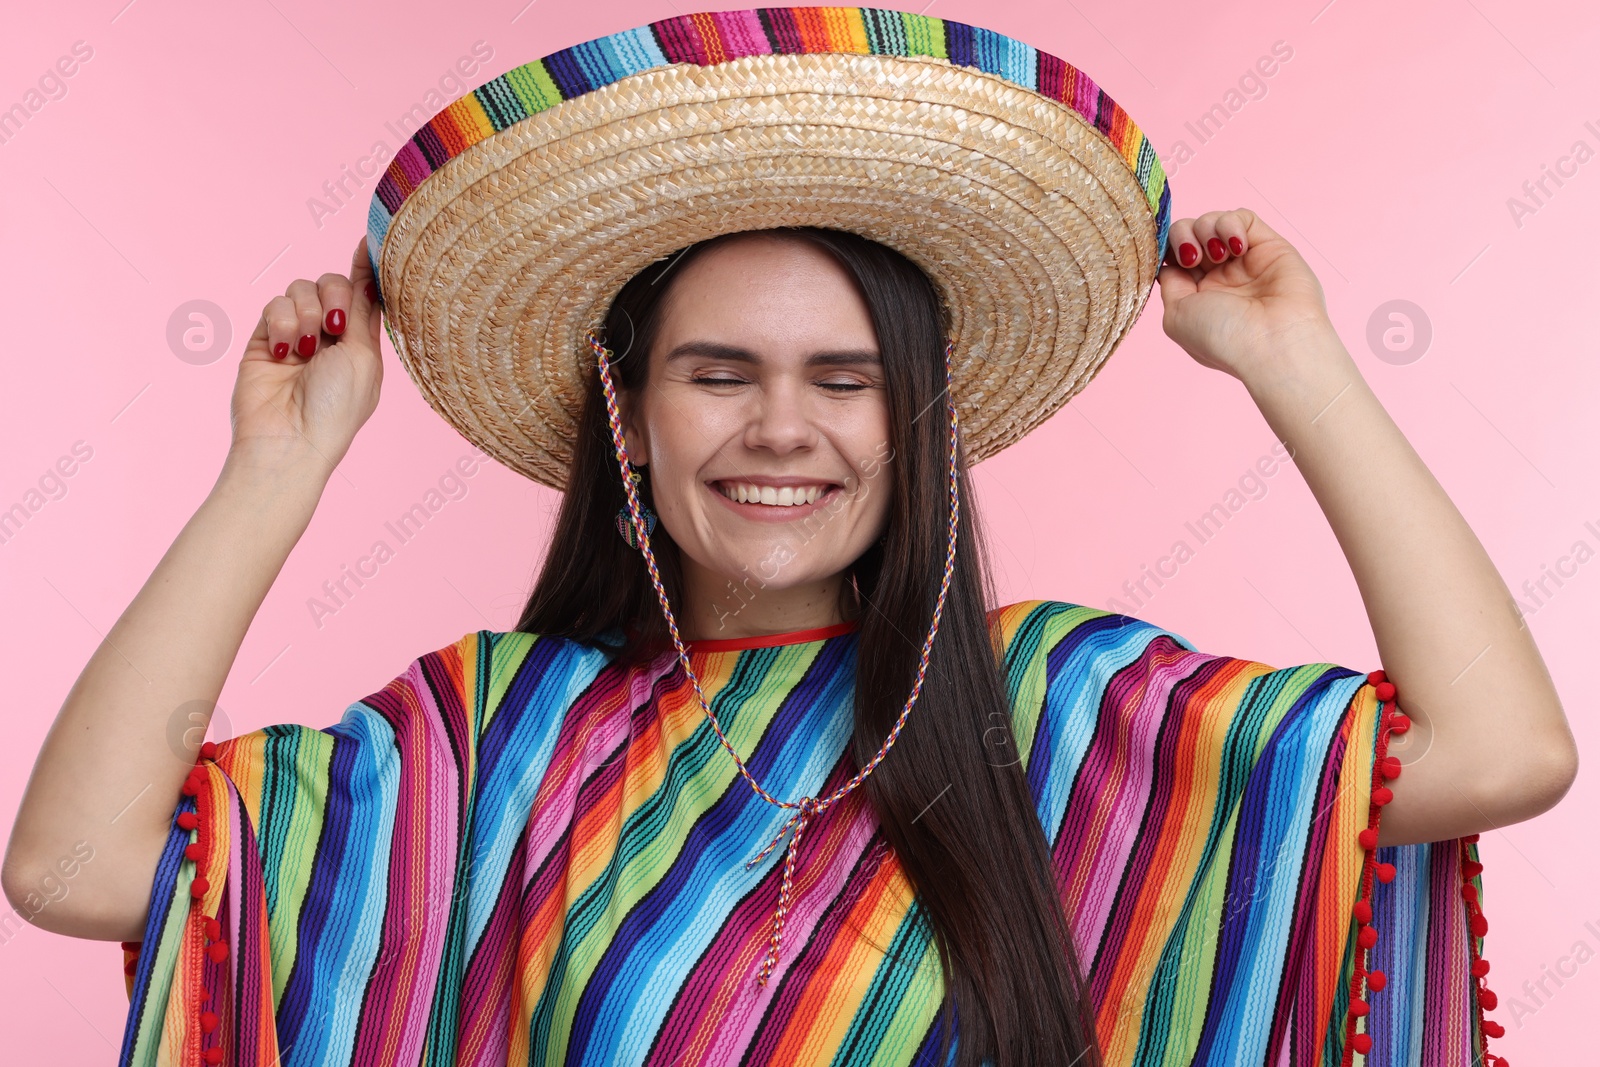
[503, 228]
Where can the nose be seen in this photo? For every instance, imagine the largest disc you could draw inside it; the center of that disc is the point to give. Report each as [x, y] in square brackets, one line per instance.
[780, 420]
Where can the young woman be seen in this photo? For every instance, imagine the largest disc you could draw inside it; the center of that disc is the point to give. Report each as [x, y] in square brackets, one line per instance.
[1033, 834]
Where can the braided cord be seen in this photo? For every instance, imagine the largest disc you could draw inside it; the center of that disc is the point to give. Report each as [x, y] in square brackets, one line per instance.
[808, 807]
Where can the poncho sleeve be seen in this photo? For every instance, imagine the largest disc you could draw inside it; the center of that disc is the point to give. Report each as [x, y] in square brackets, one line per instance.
[314, 889]
[1213, 822]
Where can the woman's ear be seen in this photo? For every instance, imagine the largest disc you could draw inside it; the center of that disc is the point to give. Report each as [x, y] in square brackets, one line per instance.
[632, 436]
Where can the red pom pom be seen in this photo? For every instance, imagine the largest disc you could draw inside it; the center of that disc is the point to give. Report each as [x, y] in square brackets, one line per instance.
[1480, 967]
[1368, 838]
[1358, 1008]
[214, 1054]
[1385, 691]
[1389, 767]
[1493, 1029]
[198, 887]
[213, 930]
[132, 946]
[1367, 937]
[208, 750]
[1471, 839]
[1479, 924]
[205, 996]
[193, 851]
[1399, 724]
[1375, 677]
[1487, 998]
[1363, 912]
[1362, 1043]
[1469, 893]
[208, 1021]
[1382, 795]
[1471, 868]
[218, 951]
[189, 788]
[1376, 981]
[188, 820]
[1384, 872]
[131, 967]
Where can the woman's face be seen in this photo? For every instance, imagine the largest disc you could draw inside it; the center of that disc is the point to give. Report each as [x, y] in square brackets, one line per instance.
[765, 427]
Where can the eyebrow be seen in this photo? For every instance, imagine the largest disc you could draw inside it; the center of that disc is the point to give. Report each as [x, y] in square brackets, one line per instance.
[826, 358]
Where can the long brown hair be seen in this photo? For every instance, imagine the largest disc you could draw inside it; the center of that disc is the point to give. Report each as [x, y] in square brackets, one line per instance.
[952, 803]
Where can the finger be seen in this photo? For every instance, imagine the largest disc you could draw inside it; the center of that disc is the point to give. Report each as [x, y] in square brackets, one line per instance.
[276, 330]
[1176, 283]
[365, 311]
[1205, 232]
[308, 316]
[334, 293]
[1182, 248]
[1233, 230]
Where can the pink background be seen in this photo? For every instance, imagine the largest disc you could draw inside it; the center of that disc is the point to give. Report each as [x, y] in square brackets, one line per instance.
[182, 160]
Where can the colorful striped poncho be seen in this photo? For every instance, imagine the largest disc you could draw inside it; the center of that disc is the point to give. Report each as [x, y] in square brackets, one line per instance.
[517, 853]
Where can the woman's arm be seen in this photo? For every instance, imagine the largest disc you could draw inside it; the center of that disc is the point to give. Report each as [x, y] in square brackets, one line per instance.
[1490, 744]
[107, 778]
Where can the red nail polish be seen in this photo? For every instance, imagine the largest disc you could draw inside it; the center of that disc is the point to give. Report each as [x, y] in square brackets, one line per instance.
[1188, 254]
[372, 290]
[280, 350]
[1214, 246]
[308, 344]
[1236, 245]
[334, 323]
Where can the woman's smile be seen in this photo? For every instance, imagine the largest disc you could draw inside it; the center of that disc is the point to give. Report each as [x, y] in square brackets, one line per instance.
[776, 499]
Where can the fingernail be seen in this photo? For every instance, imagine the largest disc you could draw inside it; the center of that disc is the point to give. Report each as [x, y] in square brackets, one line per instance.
[280, 350]
[308, 344]
[334, 323]
[1187, 254]
[1214, 246]
[1236, 245]
[372, 290]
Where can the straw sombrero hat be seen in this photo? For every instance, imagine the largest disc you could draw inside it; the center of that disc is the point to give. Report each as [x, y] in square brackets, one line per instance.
[502, 230]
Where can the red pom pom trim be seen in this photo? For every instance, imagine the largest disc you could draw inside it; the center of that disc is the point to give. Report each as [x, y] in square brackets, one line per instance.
[217, 951]
[213, 930]
[1385, 691]
[1376, 981]
[1362, 1043]
[1384, 872]
[214, 1054]
[1363, 912]
[1389, 767]
[1367, 937]
[198, 887]
[1480, 967]
[188, 820]
[208, 1021]
[1368, 838]
[208, 750]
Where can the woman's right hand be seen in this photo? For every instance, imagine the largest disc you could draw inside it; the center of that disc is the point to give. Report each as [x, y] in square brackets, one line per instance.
[311, 371]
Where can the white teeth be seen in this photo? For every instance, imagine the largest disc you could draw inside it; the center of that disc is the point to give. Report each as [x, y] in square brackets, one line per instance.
[785, 497]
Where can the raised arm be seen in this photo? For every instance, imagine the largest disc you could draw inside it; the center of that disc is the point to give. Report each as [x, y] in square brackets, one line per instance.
[105, 782]
[1490, 744]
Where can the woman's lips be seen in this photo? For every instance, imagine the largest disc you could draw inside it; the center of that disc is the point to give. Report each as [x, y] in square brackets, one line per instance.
[775, 512]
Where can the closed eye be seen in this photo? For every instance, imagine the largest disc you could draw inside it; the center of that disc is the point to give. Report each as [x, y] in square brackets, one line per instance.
[740, 381]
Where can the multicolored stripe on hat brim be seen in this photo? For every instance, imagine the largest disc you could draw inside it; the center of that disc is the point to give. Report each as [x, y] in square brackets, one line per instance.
[713, 37]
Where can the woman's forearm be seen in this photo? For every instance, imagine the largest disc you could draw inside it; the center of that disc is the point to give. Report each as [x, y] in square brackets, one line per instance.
[108, 775]
[1490, 743]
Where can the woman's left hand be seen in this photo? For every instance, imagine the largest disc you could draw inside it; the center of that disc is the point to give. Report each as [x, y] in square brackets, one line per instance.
[1244, 298]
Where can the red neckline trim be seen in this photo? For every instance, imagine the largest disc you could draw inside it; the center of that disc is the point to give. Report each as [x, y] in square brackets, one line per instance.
[793, 637]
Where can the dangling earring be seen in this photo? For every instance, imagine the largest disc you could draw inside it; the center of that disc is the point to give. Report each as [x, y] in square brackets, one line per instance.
[625, 525]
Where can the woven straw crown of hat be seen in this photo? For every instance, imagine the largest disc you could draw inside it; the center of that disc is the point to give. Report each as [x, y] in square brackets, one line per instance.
[503, 229]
